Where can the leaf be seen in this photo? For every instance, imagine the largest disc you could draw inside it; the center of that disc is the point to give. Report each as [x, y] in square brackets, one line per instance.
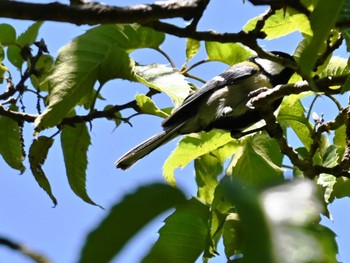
[164, 79]
[232, 236]
[7, 34]
[102, 53]
[11, 143]
[43, 66]
[191, 147]
[229, 53]
[341, 188]
[127, 218]
[322, 19]
[257, 245]
[37, 156]
[336, 67]
[117, 64]
[291, 210]
[292, 114]
[182, 238]
[278, 224]
[147, 105]
[75, 142]
[258, 162]
[192, 47]
[207, 169]
[25, 39]
[282, 23]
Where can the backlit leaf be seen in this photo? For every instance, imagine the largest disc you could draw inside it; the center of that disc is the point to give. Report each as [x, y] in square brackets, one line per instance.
[11, 144]
[37, 156]
[75, 143]
[182, 238]
[229, 53]
[127, 218]
[191, 147]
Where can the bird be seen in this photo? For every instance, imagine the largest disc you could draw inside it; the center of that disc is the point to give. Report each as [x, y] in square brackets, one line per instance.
[219, 104]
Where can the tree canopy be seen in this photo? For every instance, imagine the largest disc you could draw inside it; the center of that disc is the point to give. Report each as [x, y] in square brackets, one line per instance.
[261, 195]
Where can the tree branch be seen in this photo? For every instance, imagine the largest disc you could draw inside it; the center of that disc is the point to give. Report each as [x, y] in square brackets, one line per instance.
[96, 13]
[39, 258]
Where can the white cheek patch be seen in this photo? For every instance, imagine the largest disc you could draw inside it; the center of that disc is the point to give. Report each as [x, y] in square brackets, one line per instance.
[219, 78]
[269, 66]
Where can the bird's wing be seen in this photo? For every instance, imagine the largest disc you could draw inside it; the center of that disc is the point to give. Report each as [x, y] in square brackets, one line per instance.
[230, 76]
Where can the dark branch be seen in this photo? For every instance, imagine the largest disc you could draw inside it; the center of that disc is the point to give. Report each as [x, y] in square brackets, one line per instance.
[39, 258]
[95, 13]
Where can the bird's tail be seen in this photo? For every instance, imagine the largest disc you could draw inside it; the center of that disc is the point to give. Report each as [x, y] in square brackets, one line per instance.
[145, 148]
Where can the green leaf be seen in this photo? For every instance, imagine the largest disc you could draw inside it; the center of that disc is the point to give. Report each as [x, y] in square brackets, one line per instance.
[26, 38]
[43, 66]
[258, 162]
[75, 142]
[257, 243]
[336, 67]
[232, 236]
[99, 54]
[117, 64]
[126, 218]
[3, 69]
[190, 148]
[11, 143]
[192, 47]
[327, 181]
[37, 156]
[291, 210]
[164, 79]
[342, 188]
[207, 167]
[282, 23]
[322, 19]
[7, 34]
[147, 105]
[229, 53]
[2, 53]
[182, 238]
[292, 114]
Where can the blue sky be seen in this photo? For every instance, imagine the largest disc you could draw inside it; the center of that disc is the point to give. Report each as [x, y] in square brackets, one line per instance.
[59, 233]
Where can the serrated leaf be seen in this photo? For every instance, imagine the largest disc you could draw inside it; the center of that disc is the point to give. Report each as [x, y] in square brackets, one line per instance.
[192, 47]
[191, 147]
[26, 38]
[292, 114]
[283, 22]
[322, 19]
[258, 162]
[127, 218]
[164, 79]
[147, 105]
[182, 238]
[7, 34]
[11, 144]
[229, 53]
[75, 142]
[37, 155]
[99, 54]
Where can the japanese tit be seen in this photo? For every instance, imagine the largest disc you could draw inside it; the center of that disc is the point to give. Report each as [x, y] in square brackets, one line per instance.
[219, 104]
